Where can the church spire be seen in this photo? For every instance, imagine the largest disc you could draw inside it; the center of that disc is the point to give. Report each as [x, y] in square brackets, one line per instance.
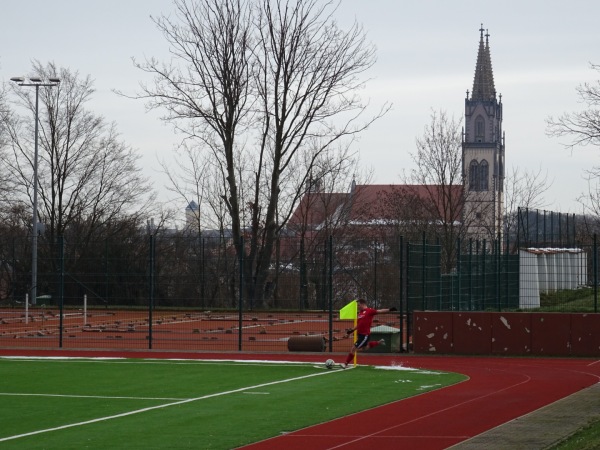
[483, 84]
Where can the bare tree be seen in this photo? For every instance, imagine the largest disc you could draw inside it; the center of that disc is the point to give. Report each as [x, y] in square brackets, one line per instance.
[404, 208]
[523, 189]
[589, 200]
[5, 176]
[88, 178]
[4, 118]
[590, 205]
[583, 126]
[267, 88]
[188, 180]
[435, 186]
[331, 202]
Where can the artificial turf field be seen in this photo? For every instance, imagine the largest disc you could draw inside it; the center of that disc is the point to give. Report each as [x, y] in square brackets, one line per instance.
[75, 403]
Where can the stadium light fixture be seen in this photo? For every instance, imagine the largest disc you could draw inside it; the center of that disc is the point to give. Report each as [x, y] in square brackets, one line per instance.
[36, 82]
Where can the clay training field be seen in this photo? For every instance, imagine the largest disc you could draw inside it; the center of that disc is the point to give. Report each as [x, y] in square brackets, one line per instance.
[173, 330]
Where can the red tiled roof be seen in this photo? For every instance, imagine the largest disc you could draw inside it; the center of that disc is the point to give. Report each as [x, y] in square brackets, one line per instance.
[373, 202]
[315, 207]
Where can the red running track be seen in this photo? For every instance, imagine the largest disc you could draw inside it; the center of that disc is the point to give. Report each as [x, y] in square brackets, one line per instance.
[498, 390]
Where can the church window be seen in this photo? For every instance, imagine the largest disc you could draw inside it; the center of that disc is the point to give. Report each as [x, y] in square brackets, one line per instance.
[474, 176]
[484, 171]
[479, 175]
[479, 129]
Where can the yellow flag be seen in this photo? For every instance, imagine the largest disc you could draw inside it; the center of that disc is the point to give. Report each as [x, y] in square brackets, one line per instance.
[348, 311]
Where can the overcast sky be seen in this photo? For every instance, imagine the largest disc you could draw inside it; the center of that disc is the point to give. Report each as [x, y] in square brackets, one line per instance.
[427, 50]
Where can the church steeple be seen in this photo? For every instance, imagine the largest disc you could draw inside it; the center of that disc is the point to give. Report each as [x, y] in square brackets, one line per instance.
[483, 83]
[483, 151]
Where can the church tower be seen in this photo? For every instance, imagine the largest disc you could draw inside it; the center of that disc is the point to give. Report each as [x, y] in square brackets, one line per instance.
[192, 217]
[483, 151]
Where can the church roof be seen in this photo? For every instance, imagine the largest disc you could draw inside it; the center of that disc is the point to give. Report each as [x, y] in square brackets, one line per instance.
[192, 206]
[370, 203]
[483, 83]
[316, 207]
[374, 201]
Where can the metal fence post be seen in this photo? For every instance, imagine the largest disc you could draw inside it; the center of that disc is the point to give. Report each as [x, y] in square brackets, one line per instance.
[595, 274]
[470, 299]
[106, 277]
[330, 282]
[61, 287]
[423, 273]
[537, 225]
[506, 270]
[458, 275]
[408, 297]
[401, 293]
[151, 291]
[482, 278]
[440, 283]
[375, 275]
[559, 240]
[13, 271]
[241, 294]
[202, 272]
[497, 245]
[303, 278]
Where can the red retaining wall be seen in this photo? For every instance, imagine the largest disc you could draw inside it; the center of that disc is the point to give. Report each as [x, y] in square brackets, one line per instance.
[507, 333]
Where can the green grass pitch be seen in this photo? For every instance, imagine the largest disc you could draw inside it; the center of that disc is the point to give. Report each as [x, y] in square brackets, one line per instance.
[141, 404]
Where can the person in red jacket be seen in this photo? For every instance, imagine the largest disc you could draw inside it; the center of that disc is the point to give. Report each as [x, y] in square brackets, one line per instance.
[363, 327]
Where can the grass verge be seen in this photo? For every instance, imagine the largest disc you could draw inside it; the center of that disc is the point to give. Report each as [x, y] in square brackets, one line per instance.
[586, 438]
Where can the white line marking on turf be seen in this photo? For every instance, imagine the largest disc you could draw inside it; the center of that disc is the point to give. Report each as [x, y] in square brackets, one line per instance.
[107, 397]
[166, 405]
[174, 361]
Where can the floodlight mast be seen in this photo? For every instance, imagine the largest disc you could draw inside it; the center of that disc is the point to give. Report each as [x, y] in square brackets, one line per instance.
[36, 82]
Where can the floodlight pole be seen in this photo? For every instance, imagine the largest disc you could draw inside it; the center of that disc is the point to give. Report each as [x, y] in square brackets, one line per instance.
[35, 82]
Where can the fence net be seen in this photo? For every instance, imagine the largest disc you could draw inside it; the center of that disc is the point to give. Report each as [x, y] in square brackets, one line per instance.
[190, 292]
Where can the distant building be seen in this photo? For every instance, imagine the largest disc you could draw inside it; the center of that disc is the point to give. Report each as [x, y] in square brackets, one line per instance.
[483, 150]
[376, 205]
[477, 204]
[192, 216]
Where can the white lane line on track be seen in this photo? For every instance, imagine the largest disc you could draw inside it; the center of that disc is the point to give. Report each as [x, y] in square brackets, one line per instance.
[433, 413]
